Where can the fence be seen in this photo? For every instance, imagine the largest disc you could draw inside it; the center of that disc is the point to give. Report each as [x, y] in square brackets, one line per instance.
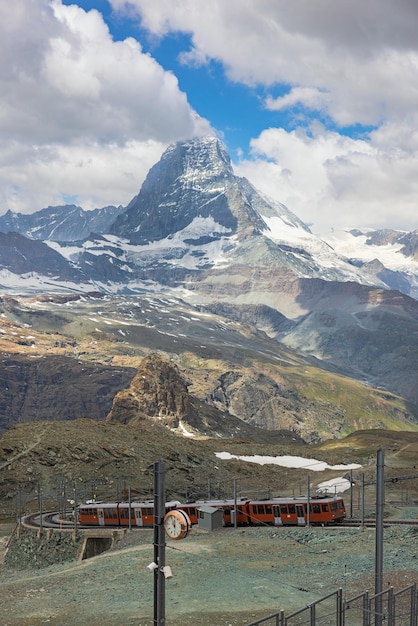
[388, 608]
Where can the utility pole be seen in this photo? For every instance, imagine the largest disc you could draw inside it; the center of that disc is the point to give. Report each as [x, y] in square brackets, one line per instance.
[235, 504]
[380, 502]
[308, 502]
[159, 543]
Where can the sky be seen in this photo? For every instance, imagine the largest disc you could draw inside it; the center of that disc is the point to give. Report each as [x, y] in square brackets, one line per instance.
[316, 102]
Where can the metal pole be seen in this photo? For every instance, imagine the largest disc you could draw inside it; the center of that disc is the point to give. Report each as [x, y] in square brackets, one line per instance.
[40, 510]
[129, 508]
[308, 503]
[18, 507]
[235, 504]
[159, 543]
[380, 500]
[362, 499]
[75, 512]
[351, 494]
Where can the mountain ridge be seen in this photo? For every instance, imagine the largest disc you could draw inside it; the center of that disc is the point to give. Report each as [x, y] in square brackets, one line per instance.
[197, 233]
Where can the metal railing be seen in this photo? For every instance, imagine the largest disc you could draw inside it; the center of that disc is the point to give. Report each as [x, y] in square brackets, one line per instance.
[396, 608]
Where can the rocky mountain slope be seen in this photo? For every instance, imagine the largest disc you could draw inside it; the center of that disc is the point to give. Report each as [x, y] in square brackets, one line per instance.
[66, 357]
[60, 223]
[263, 318]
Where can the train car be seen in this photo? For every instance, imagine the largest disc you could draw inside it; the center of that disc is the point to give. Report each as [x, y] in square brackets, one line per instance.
[233, 514]
[141, 514]
[191, 510]
[294, 511]
[99, 514]
[275, 511]
[228, 510]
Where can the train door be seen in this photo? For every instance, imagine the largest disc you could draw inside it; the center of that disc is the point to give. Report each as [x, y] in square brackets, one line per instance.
[138, 517]
[300, 515]
[100, 515]
[276, 516]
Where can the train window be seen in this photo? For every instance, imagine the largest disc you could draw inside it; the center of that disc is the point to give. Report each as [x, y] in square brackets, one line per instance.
[227, 510]
[147, 511]
[334, 506]
[110, 513]
[324, 508]
[315, 508]
[268, 509]
[123, 513]
[200, 514]
[283, 509]
[292, 508]
[191, 510]
[260, 509]
[254, 509]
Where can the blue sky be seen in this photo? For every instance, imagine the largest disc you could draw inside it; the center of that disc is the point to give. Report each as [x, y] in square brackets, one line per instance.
[315, 102]
[236, 111]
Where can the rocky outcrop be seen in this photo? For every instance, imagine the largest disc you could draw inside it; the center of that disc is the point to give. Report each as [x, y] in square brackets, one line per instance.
[157, 391]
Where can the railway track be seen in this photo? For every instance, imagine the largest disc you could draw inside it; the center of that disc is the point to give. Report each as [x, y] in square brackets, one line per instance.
[52, 520]
[370, 523]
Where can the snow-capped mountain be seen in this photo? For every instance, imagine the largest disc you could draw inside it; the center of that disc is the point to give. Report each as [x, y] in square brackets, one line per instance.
[388, 255]
[60, 223]
[198, 232]
[192, 214]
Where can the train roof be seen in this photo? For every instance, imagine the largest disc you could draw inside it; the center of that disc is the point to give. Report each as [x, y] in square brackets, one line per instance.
[295, 500]
[99, 505]
[107, 505]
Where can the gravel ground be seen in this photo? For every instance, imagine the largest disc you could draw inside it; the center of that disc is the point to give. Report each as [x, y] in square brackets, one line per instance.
[224, 578]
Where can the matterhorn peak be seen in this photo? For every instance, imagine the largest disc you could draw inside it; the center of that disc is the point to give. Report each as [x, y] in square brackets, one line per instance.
[194, 181]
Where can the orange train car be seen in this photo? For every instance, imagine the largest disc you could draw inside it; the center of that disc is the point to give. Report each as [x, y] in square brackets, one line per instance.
[276, 512]
[99, 514]
[141, 514]
[294, 511]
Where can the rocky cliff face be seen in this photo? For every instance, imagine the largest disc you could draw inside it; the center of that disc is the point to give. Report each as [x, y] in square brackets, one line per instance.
[193, 180]
[160, 393]
[56, 388]
[157, 391]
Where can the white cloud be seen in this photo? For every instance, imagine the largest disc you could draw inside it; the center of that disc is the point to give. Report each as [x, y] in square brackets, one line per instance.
[83, 114]
[330, 180]
[80, 112]
[354, 62]
[364, 54]
[306, 96]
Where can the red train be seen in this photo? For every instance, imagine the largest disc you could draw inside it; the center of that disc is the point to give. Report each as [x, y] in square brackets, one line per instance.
[276, 511]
